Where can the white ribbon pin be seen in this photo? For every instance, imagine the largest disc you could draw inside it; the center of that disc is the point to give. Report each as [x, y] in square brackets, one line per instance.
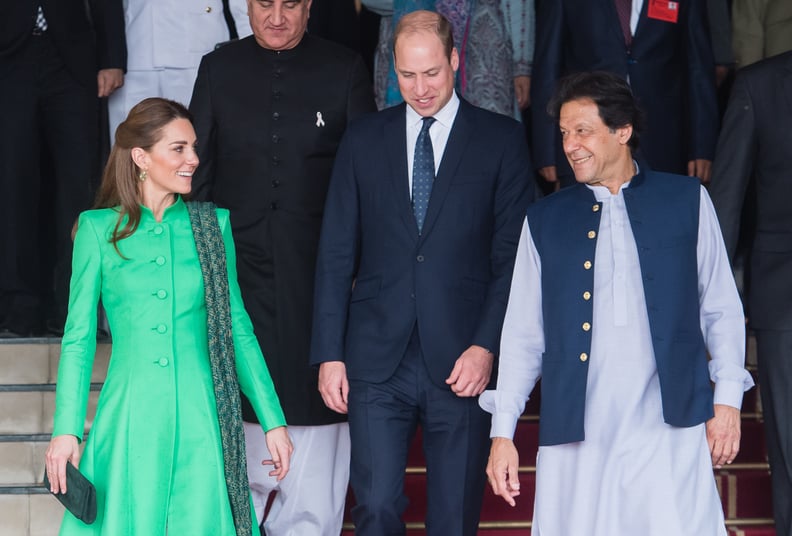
[319, 121]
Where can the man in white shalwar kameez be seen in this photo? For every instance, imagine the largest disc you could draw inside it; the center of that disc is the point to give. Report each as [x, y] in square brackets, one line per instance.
[619, 283]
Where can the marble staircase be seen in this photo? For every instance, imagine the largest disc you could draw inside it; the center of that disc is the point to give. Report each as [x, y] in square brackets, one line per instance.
[28, 371]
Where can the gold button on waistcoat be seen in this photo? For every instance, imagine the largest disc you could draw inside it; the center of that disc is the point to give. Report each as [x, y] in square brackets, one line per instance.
[584, 357]
[587, 295]
[586, 326]
[595, 208]
[587, 265]
[592, 234]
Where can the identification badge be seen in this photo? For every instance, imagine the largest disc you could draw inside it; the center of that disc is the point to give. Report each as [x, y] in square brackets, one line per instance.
[664, 10]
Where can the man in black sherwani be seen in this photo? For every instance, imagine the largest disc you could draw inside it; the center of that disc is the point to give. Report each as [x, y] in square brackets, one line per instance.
[270, 111]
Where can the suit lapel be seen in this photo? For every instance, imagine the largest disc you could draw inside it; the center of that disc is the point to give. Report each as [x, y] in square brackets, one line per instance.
[452, 156]
[395, 136]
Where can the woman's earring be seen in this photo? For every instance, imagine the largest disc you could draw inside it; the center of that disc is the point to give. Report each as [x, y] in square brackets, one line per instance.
[142, 175]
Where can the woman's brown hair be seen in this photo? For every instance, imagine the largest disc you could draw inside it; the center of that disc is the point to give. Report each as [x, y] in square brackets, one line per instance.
[121, 178]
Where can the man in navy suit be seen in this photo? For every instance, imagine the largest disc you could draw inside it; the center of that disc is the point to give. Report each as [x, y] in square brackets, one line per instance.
[56, 58]
[754, 147]
[412, 279]
[661, 47]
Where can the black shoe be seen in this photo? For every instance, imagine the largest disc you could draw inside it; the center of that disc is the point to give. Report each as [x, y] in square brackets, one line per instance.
[6, 333]
[16, 333]
[17, 330]
[53, 328]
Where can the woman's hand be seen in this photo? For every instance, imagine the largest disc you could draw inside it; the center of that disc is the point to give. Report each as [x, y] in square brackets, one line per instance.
[280, 447]
[62, 449]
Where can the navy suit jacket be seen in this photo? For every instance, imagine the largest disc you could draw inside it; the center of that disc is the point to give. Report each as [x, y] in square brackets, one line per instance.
[755, 145]
[89, 35]
[376, 277]
[669, 65]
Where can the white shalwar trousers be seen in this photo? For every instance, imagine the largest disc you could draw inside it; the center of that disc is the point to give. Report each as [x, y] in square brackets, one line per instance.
[310, 500]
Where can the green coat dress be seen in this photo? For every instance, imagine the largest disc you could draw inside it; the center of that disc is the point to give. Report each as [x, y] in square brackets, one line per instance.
[154, 451]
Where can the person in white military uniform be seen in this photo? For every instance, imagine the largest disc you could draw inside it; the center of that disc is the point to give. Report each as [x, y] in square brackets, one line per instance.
[621, 285]
[166, 40]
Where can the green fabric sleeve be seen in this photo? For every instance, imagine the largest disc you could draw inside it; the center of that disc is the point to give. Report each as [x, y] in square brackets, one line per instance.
[79, 339]
[252, 373]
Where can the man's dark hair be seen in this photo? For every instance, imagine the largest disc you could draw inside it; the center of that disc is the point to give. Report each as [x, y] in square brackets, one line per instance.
[615, 101]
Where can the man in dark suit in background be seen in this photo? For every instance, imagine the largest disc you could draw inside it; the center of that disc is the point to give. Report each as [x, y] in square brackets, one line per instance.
[662, 48]
[755, 145]
[56, 57]
[270, 111]
[335, 20]
[411, 288]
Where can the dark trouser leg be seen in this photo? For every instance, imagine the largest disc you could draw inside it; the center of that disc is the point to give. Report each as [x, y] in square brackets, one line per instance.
[381, 426]
[19, 190]
[382, 421]
[456, 445]
[55, 120]
[69, 122]
[775, 380]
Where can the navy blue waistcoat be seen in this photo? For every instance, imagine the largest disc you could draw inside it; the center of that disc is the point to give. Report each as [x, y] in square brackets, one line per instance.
[664, 215]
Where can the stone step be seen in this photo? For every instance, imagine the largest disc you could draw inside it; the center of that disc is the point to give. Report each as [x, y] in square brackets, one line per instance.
[41, 514]
[27, 363]
[745, 494]
[22, 461]
[735, 527]
[36, 362]
[32, 412]
[745, 491]
[37, 514]
[755, 527]
[28, 371]
[743, 527]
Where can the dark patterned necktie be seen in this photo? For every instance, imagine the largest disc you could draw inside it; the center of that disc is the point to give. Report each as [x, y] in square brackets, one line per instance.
[423, 172]
[624, 10]
[40, 25]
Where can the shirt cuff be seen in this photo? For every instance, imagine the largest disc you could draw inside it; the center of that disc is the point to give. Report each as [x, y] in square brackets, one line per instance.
[504, 423]
[730, 393]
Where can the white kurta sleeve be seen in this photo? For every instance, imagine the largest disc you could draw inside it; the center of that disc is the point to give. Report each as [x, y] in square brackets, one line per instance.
[721, 312]
[522, 342]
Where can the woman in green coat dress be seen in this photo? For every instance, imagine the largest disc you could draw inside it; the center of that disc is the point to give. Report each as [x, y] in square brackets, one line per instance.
[163, 458]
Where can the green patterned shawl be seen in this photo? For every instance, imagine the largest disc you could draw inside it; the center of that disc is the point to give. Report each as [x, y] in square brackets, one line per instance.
[211, 254]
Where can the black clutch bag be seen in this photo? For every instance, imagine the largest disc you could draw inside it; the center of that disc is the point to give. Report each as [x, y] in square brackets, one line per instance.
[80, 497]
